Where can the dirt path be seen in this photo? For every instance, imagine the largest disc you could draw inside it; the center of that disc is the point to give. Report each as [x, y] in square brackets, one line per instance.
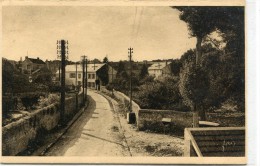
[145, 143]
[95, 133]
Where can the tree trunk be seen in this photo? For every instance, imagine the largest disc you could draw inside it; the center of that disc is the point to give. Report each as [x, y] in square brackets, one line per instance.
[202, 113]
[198, 51]
[195, 116]
[197, 110]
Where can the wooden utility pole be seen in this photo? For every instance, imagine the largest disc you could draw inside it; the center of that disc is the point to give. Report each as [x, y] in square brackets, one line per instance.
[86, 62]
[62, 50]
[83, 76]
[76, 83]
[59, 73]
[130, 52]
[131, 115]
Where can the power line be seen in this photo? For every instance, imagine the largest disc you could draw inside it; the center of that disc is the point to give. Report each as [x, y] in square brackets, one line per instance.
[139, 23]
[133, 28]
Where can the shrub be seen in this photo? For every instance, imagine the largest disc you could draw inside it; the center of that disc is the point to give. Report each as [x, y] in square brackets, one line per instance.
[46, 101]
[160, 95]
[8, 103]
[29, 100]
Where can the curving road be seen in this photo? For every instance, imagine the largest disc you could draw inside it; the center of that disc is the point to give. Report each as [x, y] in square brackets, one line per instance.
[96, 133]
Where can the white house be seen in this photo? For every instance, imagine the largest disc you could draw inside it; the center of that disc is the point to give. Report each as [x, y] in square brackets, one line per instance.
[70, 75]
[157, 69]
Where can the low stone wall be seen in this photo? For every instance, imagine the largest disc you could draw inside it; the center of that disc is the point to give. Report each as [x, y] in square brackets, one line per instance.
[124, 99]
[152, 119]
[18, 135]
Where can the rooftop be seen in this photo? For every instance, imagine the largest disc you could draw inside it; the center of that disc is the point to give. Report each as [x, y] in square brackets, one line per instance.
[37, 61]
[158, 65]
[91, 67]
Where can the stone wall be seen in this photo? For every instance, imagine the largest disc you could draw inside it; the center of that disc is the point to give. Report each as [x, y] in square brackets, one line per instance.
[124, 99]
[152, 119]
[18, 135]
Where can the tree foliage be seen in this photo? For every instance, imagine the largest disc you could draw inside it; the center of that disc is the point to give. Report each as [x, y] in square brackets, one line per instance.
[105, 60]
[144, 71]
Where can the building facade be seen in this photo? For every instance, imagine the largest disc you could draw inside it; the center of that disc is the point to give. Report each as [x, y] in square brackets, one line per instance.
[74, 74]
[30, 65]
[159, 69]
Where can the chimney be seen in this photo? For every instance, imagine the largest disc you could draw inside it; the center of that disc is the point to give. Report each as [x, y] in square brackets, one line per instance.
[38, 58]
[21, 59]
[166, 62]
[26, 57]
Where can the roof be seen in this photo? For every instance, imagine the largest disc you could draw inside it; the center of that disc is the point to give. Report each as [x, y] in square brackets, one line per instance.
[91, 67]
[37, 61]
[158, 65]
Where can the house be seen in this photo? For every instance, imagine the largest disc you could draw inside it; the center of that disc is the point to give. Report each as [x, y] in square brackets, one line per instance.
[94, 72]
[160, 69]
[111, 73]
[70, 75]
[30, 65]
[53, 66]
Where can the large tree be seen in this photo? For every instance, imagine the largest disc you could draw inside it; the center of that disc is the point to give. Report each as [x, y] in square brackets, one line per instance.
[144, 71]
[201, 22]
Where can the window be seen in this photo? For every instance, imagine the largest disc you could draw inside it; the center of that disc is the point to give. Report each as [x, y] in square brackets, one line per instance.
[89, 75]
[79, 75]
[93, 76]
[72, 75]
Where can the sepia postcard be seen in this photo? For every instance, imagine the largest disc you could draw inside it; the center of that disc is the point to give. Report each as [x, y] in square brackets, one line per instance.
[124, 82]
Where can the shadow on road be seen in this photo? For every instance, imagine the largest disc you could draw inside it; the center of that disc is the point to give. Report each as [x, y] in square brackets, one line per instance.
[103, 139]
[70, 137]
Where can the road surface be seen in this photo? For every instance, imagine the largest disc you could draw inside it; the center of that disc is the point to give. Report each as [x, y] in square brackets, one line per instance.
[96, 133]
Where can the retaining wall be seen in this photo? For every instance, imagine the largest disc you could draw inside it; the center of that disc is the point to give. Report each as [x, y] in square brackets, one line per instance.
[18, 135]
[151, 119]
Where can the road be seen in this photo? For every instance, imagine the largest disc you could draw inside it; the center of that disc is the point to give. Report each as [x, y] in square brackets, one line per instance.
[97, 132]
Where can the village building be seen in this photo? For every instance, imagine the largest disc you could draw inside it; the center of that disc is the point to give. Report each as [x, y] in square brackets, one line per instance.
[53, 66]
[94, 72]
[160, 69]
[30, 65]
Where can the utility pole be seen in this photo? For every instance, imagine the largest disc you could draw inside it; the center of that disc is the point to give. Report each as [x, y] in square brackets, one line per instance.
[83, 77]
[59, 73]
[131, 115]
[130, 52]
[76, 83]
[62, 51]
[86, 61]
[76, 86]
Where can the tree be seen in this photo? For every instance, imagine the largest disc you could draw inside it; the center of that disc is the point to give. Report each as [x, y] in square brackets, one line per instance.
[144, 71]
[97, 61]
[43, 76]
[103, 74]
[120, 69]
[202, 21]
[105, 60]
[176, 67]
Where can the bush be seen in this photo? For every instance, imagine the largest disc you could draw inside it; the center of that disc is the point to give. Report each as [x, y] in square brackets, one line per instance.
[160, 95]
[8, 103]
[57, 88]
[46, 101]
[29, 100]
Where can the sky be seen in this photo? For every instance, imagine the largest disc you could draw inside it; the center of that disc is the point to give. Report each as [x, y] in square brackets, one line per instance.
[153, 32]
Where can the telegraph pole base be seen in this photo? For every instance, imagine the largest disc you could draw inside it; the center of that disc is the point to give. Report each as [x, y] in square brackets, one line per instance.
[131, 119]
